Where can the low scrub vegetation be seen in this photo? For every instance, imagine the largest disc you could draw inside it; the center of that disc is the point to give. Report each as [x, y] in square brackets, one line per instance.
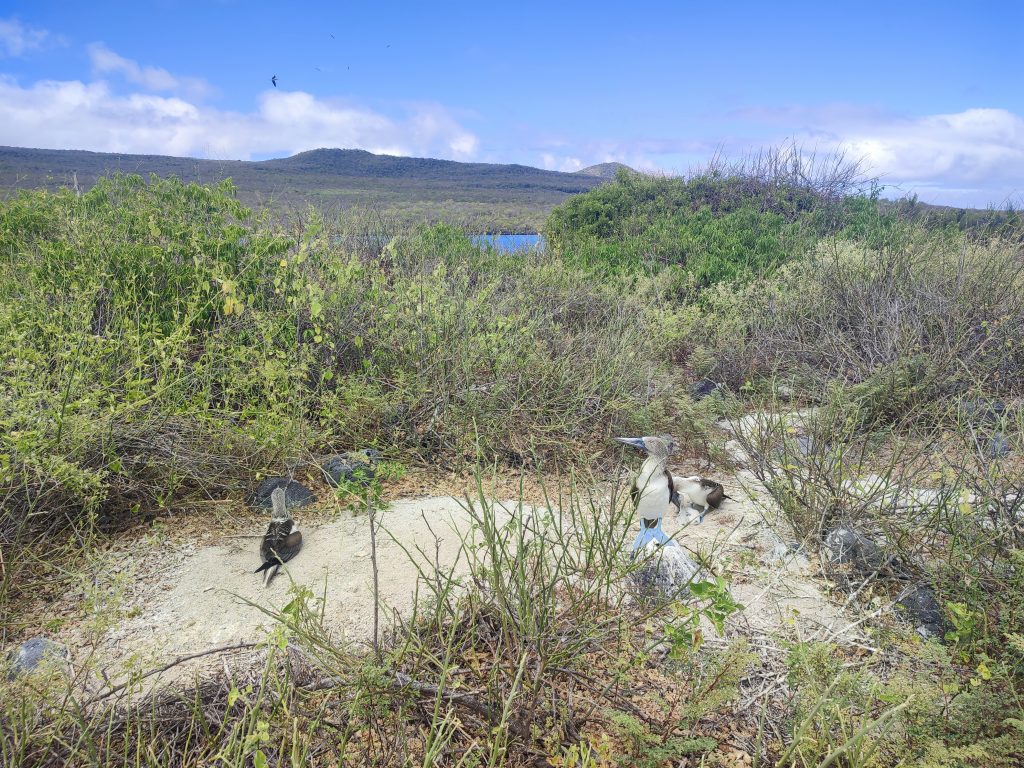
[165, 344]
[162, 340]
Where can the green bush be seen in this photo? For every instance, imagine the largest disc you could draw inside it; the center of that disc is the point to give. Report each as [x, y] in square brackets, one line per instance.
[648, 224]
[721, 224]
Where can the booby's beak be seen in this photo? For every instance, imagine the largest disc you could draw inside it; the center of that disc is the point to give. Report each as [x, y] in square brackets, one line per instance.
[636, 442]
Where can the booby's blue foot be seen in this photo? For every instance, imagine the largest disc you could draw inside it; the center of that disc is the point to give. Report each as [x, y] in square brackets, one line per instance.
[650, 533]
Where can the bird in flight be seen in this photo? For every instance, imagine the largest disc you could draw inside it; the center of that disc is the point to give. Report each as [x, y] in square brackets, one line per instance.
[274, 80]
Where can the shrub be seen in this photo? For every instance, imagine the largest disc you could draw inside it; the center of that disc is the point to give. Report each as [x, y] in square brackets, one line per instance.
[725, 222]
[930, 319]
[164, 342]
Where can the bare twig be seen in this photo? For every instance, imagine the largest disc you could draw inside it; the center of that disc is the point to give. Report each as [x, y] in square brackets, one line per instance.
[165, 667]
[370, 509]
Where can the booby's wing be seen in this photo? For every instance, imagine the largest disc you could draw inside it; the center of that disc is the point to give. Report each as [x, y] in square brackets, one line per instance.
[673, 494]
[280, 544]
[634, 492]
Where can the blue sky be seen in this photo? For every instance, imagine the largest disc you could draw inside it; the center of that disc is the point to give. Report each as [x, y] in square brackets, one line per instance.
[930, 95]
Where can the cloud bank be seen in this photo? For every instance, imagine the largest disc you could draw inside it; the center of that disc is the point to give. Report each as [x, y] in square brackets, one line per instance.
[966, 152]
[971, 158]
[72, 114]
[133, 108]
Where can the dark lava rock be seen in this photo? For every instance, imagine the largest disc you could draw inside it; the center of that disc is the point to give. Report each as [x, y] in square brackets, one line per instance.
[704, 388]
[997, 446]
[28, 656]
[922, 609]
[845, 545]
[295, 493]
[978, 411]
[352, 467]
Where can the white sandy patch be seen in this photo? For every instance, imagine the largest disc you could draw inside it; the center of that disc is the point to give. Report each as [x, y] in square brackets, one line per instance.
[778, 587]
[195, 598]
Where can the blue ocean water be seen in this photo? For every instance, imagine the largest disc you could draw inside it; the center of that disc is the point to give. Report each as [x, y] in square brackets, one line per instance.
[510, 243]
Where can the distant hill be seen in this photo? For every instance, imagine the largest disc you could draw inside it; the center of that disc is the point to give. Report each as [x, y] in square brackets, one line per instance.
[603, 170]
[480, 196]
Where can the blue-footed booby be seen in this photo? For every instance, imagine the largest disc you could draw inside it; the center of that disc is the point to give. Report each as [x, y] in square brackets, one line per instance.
[282, 541]
[701, 493]
[653, 489]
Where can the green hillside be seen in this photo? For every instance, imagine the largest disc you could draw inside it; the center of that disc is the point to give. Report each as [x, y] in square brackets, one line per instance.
[603, 170]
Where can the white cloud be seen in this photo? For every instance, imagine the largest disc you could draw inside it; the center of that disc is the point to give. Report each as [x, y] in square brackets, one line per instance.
[974, 157]
[77, 115]
[969, 158]
[977, 145]
[16, 39]
[105, 61]
[560, 162]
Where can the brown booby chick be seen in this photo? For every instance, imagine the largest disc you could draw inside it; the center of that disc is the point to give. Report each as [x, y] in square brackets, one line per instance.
[702, 492]
[282, 541]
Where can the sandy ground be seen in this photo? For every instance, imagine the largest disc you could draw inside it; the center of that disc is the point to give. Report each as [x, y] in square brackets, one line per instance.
[177, 596]
[185, 587]
[770, 574]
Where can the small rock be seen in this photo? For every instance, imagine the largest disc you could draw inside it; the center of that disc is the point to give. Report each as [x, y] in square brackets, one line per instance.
[660, 650]
[978, 410]
[704, 388]
[809, 445]
[845, 545]
[31, 654]
[352, 467]
[997, 446]
[668, 571]
[788, 554]
[779, 553]
[295, 493]
[922, 609]
[805, 444]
